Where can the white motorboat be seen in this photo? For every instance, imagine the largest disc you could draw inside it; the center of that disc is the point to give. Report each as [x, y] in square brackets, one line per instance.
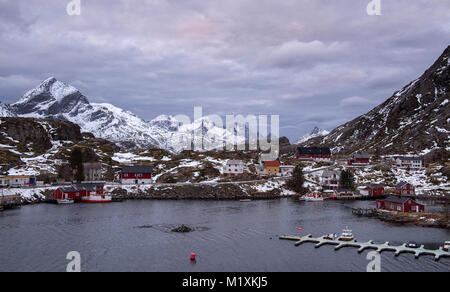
[311, 198]
[65, 201]
[346, 235]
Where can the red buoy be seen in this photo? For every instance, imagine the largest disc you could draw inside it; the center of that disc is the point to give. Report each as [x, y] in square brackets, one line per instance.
[192, 256]
[300, 229]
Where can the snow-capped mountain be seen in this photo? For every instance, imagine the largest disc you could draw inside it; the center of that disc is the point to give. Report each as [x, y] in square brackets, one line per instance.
[316, 132]
[57, 100]
[6, 110]
[414, 120]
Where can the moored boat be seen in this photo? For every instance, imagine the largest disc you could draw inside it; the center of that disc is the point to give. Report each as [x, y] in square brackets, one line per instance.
[331, 236]
[311, 198]
[447, 246]
[64, 201]
[346, 235]
[97, 199]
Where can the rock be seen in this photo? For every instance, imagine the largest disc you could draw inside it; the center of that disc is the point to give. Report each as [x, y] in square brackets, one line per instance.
[182, 229]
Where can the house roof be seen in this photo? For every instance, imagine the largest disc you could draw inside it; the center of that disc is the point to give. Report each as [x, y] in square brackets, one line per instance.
[361, 155]
[408, 158]
[395, 199]
[137, 169]
[375, 186]
[233, 162]
[272, 163]
[401, 184]
[328, 173]
[313, 150]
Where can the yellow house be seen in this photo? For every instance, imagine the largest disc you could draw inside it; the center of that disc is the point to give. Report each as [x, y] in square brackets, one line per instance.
[272, 167]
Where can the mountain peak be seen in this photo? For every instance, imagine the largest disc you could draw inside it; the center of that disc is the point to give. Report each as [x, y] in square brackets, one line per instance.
[315, 132]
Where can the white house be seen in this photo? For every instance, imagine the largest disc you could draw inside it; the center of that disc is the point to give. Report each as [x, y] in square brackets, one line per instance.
[286, 169]
[408, 161]
[330, 179]
[234, 167]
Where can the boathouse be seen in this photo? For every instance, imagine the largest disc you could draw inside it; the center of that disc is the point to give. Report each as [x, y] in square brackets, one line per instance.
[78, 191]
[375, 190]
[405, 189]
[400, 204]
[141, 174]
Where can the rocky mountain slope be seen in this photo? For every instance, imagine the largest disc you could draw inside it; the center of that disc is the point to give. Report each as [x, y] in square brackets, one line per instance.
[414, 120]
[29, 145]
[56, 100]
[316, 132]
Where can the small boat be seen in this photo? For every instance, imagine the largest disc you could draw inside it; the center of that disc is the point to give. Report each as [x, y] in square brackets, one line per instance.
[346, 235]
[97, 199]
[65, 201]
[331, 236]
[312, 198]
[447, 246]
[412, 244]
[245, 200]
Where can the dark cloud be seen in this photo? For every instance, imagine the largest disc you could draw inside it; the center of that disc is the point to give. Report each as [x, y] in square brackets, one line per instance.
[311, 62]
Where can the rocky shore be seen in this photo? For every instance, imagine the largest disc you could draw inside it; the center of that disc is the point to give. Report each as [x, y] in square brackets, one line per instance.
[196, 192]
[439, 220]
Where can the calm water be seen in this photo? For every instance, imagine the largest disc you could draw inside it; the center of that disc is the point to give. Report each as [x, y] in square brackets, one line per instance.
[231, 236]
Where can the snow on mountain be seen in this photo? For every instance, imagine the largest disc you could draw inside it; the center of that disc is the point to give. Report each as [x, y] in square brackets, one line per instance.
[6, 110]
[316, 132]
[414, 120]
[57, 100]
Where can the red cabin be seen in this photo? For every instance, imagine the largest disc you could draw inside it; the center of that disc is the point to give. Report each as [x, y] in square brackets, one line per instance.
[405, 189]
[359, 159]
[78, 191]
[375, 190]
[313, 153]
[400, 204]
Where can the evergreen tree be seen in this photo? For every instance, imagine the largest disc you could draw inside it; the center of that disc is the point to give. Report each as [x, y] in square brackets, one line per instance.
[297, 180]
[76, 162]
[347, 180]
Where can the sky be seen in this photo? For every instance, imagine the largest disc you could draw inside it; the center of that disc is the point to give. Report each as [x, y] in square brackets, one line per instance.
[312, 62]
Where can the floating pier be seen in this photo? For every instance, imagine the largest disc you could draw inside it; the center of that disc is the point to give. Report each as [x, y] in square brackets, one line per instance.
[368, 245]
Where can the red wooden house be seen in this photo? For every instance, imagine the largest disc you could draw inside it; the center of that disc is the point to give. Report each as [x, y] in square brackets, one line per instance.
[400, 204]
[78, 191]
[313, 153]
[375, 190]
[359, 159]
[139, 174]
[405, 189]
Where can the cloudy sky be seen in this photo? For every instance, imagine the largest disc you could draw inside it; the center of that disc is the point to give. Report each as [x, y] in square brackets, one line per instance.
[313, 62]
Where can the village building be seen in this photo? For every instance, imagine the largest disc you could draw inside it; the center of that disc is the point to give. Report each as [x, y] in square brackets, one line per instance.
[373, 191]
[330, 179]
[400, 204]
[17, 181]
[359, 159]
[92, 171]
[314, 153]
[78, 191]
[408, 161]
[286, 169]
[136, 174]
[234, 167]
[405, 189]
[271, 167]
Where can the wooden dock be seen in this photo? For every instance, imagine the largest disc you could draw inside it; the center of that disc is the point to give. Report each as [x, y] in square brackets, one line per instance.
[438, 253]
[10, 202]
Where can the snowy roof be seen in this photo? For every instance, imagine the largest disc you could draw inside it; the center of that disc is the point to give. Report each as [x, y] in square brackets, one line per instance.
[234, 162]
[401, 184]
[314, 150]
[137, 169]
[408, 158]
